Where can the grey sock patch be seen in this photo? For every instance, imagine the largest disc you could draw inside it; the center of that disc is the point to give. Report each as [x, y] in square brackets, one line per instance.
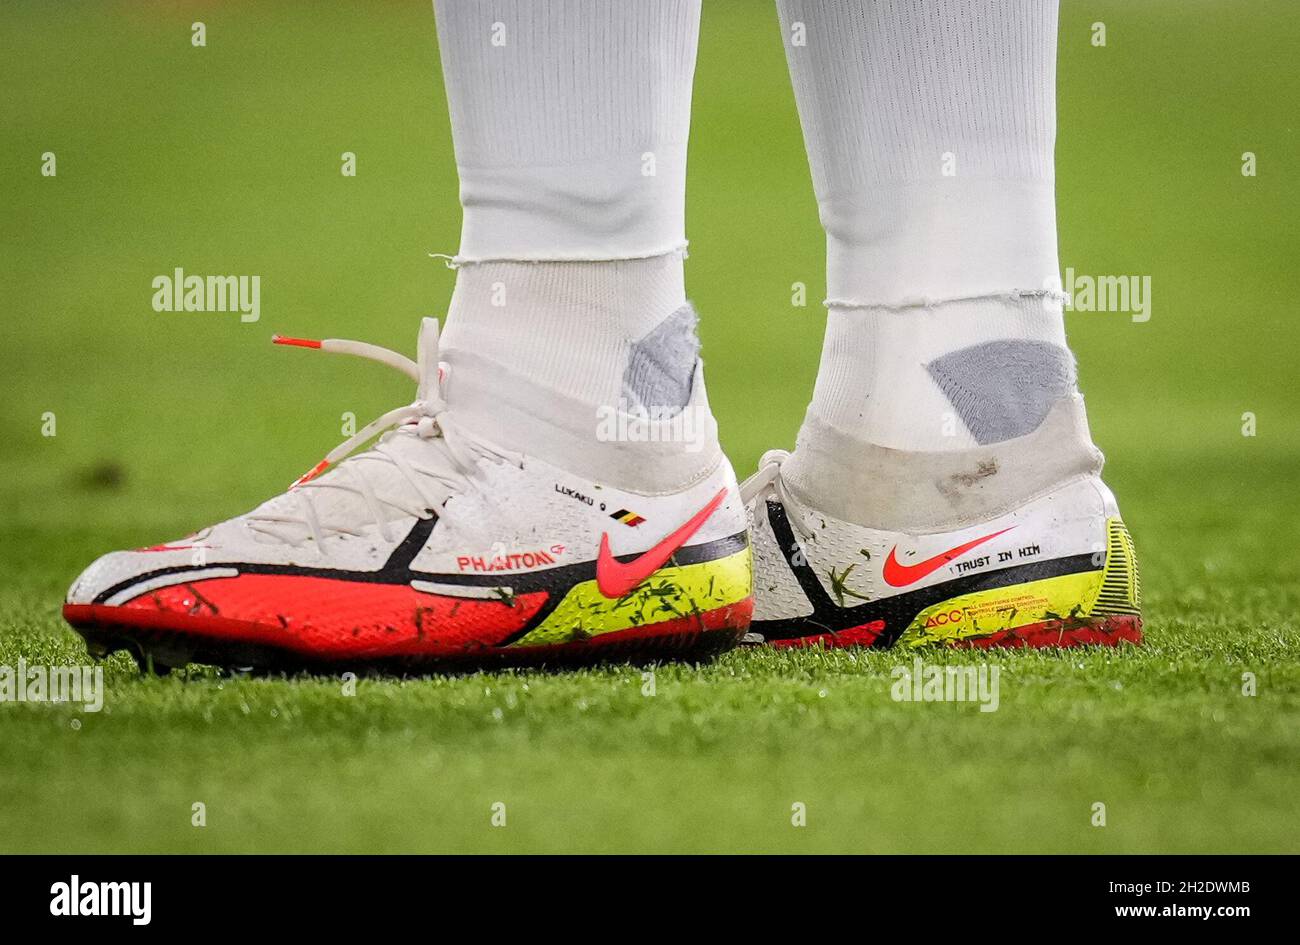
[661, 366]
[1004, 389]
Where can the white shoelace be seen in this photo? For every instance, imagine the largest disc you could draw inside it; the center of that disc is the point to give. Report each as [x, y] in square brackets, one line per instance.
[454, 454]
[768, 476]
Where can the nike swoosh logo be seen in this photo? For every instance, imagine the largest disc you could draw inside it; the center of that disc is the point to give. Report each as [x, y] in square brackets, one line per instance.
[616, 578]
[901, 575]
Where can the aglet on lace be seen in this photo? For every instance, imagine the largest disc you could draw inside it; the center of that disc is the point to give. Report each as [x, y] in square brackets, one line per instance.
[414, 483]
[411, 412]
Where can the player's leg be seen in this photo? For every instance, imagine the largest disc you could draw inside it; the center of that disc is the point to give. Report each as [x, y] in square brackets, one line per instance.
[944, 485]
[570, 121]
[556, 489]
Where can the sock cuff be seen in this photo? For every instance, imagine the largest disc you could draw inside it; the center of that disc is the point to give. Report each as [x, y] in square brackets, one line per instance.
[922, 492]
[569, 326]
[670, 454]
[922, 243]
[942, 377]
[605, 209]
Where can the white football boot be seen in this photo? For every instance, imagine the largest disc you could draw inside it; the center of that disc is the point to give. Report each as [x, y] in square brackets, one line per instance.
[433, 548]
[1058, 570]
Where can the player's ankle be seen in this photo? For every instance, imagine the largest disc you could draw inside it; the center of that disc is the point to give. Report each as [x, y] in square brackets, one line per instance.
[930, 491]
[943, 375]
[594, 363]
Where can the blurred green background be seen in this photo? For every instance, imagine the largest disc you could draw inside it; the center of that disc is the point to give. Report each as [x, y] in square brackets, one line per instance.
[225, 159]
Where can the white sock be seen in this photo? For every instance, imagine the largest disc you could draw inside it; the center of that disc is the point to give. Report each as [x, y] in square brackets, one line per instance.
[567, 326]
[930, 127]
[946, 377]
[570, 122]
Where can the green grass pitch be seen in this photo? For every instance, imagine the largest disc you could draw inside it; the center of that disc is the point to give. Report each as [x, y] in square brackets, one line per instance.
[226, 159]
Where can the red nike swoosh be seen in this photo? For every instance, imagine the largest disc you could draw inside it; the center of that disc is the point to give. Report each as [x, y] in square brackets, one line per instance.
[616, 579]
[901, 575]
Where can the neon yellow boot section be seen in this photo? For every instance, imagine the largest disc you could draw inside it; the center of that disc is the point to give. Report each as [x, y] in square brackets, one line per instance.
[1114, 588]
[668, 594]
